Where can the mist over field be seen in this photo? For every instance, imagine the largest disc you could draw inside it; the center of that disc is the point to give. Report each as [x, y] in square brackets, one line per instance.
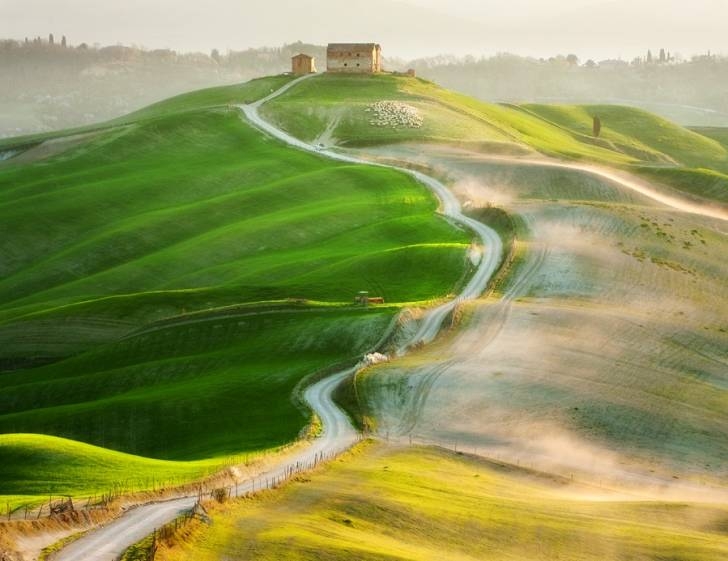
[409, 28]
[51, 86]
[120, 57]
[396, 279]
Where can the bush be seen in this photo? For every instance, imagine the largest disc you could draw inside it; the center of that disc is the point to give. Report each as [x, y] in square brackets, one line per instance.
[221, 494]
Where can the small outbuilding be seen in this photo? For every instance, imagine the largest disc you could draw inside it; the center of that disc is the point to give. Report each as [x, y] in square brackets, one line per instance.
[363, 299]
[303, 64]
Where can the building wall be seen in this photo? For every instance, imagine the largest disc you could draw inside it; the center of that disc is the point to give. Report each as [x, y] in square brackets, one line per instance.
[354, 60]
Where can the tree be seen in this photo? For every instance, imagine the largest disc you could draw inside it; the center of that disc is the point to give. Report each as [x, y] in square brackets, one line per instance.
[572, 59]
[597, 127]
[215, 55]
[663, 56]
[51, 40]
[64, 43]
[649, 57]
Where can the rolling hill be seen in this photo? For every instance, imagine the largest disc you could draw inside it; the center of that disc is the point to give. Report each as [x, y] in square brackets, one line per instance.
[427, 504]
[171, 277]
[606, 355]
[168, 279]
[35, 465]
[340, 108]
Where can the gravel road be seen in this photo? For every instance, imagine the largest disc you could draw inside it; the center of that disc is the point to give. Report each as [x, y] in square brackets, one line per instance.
[110, 541]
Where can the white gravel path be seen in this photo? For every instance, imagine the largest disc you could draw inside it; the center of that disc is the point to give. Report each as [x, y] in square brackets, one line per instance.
[110, 541]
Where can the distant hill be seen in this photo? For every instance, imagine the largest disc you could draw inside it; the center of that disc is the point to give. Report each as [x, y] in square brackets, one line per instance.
[51, 87]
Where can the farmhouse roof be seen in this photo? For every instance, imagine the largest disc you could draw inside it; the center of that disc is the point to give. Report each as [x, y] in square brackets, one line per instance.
[353, 46]
[303, 55]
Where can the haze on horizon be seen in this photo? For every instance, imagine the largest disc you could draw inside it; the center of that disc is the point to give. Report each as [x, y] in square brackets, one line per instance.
[407, 28]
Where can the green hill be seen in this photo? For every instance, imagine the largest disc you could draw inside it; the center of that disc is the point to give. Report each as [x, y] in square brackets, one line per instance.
[30, 466]
[631, 130]
[193, 210]
[719, 134]
[341, 109]
[692, 161]
[426, 504]
[169, 278]
[192, 388]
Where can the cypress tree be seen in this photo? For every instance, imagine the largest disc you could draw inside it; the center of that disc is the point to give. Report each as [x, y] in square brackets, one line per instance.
[597, 126]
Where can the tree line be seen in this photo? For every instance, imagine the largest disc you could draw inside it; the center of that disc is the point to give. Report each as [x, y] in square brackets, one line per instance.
[50, 83]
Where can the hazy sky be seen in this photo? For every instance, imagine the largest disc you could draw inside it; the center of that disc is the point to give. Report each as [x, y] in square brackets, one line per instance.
[406, 28]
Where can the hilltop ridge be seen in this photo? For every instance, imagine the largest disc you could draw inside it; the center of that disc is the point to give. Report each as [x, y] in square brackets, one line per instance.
[338, 109]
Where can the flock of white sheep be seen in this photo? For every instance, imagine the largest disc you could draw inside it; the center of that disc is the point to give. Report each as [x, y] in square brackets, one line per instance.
[394, 114]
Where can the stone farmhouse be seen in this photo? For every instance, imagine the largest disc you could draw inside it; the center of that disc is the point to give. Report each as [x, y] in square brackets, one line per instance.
[303, 64]
[354, 58]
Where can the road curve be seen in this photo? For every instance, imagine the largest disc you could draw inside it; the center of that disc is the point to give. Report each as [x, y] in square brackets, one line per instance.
[108, 542]
[449, 206]
[672, 199]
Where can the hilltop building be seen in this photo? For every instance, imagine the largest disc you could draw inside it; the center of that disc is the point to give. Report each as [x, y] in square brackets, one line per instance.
[303, 64]
[354, 58]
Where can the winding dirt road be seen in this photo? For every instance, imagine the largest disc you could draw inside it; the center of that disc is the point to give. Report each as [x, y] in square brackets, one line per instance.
[449, 207]
[110, 541]
[672, 200]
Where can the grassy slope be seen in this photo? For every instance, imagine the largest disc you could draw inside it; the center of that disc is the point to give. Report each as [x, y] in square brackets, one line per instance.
[199, 99]
[426, 504]
[645, 134]
[198, 201]
[701, 159]
[647, 144]
[186, 209]
[306, 110]
[29, 465]
[214, 385]
[719, 134]
[616, 340]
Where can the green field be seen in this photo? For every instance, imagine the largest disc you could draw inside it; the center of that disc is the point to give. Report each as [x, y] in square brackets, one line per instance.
[306, 111]
[629, 130]
[191, 389]
[719, 134]
[692, 161]
[695, 162]
[383, 504]
[31, 463]
[168, 279]
[610, 356]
